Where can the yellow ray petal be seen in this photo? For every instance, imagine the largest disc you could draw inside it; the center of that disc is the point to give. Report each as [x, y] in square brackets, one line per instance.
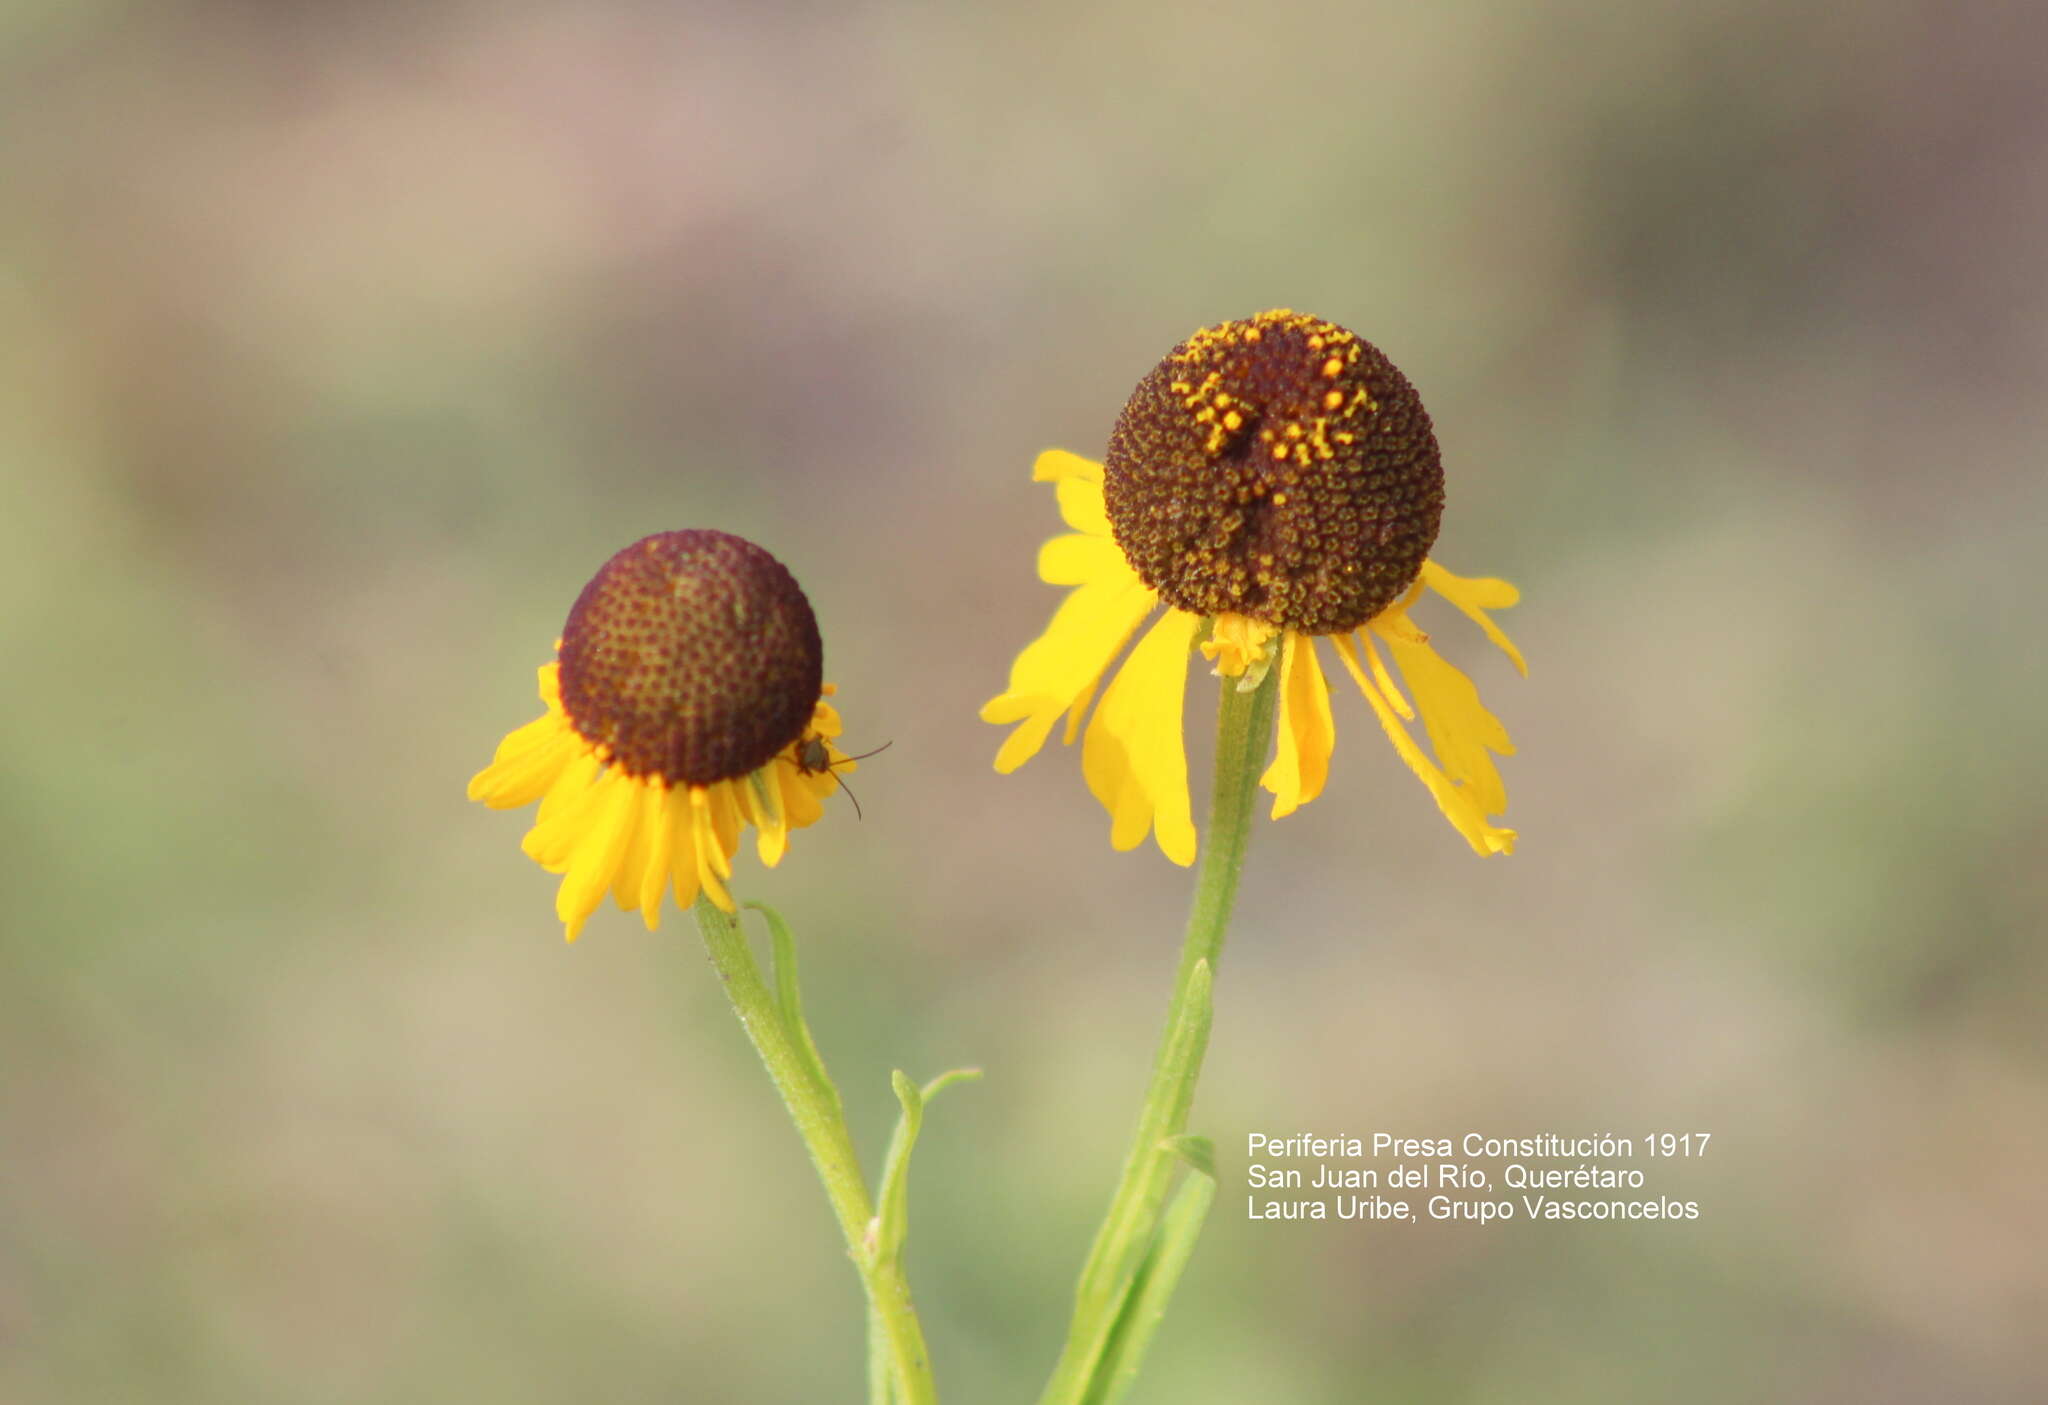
[1078, 483]
[1055, 465]
[1073, 559]
[661, 853]
[1459, 806]
[575, 778]
[521, 774]
[563, 815]
[1461, 730]
[1474, 596]
[1064, 663]
[1308, 733]
[763, 794]
[710, 863]
[1132, 755]
[1385, 680]
[682, 818]
[633, 862]
[1082, 506]
[725, 824]
[612, 815]
[803, 795]
[547, 728]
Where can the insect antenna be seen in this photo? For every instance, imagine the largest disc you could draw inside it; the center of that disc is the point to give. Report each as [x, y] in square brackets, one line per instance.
[812, 758]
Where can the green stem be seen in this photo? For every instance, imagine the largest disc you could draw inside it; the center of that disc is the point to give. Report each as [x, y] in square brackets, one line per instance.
[1244, 729]
[815, 1110]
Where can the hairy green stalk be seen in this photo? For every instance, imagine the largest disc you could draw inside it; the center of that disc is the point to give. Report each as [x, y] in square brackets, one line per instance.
[784, 1044]
[1124, 1245]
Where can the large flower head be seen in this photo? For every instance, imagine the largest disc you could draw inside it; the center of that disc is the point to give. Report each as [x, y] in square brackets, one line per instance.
[685, 702]
[1272, 482]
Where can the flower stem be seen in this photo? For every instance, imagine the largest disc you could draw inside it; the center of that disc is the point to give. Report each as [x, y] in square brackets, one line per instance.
[814, 1107]
[1244, 730]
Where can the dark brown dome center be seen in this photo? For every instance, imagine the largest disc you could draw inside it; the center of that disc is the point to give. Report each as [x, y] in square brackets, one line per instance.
[691, 657]
[1281, 468]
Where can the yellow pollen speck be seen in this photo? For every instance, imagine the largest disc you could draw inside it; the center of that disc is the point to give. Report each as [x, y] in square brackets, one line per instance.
[1332, 399]
[1294, 431]
[1333, 368]
[1279, 499]
[1279, 451]
[1315, 343]
[1233, 421]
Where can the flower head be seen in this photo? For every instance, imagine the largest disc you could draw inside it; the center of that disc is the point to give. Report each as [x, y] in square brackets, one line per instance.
[1273, 481]
[685, 702]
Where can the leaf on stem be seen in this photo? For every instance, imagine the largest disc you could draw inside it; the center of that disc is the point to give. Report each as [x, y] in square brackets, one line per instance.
[790, 1005]
[1198, 1152]
[892, 1212]
[1145, 1307]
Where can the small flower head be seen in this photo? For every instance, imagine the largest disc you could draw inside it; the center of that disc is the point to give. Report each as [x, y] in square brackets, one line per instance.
[1280, 468]
[1272, 482]
[686, 702]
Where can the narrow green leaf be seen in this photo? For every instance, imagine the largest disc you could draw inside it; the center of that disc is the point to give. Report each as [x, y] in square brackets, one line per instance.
[790, 1005]
[892, 1204]
[1145, 1308]
[1198, 1152]
[948, 1079]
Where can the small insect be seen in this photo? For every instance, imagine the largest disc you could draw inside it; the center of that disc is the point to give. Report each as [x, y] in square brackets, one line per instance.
[813, 759]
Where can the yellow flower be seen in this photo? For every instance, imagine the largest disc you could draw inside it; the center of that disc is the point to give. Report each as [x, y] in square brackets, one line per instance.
[686, 702]
[1272, 482]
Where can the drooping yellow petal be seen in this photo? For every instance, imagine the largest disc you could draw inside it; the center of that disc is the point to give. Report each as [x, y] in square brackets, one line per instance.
[612, 816]
[661, 852]
[682, 862]
[1474, 596]
[803, 795]
[763, 793]
[711, 865]
[1385, 680]
[1082, 506]
[1308, 733]
[1056, 465]
[1133, 755]
[1091, 625]
[633, 862]
[725, 824]
[564, 815]
[529, 761]
[1074, 559]
[575, 778]
[1459, 805]
[1461, 730]
[1078, 483]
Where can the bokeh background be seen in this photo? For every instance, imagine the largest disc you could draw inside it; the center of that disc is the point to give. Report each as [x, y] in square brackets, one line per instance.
[340, 343]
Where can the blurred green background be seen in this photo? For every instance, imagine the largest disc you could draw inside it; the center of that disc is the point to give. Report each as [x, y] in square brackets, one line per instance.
[340, 343]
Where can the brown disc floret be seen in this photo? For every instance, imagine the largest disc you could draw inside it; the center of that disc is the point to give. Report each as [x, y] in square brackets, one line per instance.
[1280, 468]
[692, 657]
